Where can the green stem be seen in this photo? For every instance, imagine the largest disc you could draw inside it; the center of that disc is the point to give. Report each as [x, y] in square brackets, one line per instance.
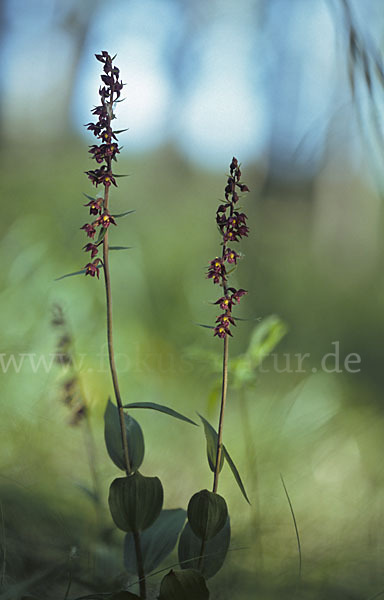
[219, 451]
[111, 353]
[221, 418]
[112, 364]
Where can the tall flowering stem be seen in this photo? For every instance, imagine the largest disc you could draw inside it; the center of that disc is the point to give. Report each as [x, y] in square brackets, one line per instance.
[104, 153]
[232, 226]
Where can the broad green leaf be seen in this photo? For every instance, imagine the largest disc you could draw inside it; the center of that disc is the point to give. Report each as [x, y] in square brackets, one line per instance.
[235, 472]
[124, 214]
[135, 502]
[184, 585]
[120, 247]
[215, 550]
[113, 441]
[207, 514]
[211, 437]
[156, 542]
[71, 274]
[160, 408]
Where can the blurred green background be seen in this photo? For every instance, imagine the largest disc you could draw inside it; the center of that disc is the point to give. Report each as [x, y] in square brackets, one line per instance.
[294, 89]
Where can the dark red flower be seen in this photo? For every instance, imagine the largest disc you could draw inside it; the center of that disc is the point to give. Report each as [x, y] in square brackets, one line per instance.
[230, 236]
[225, 319]
[103, 153]
[94, 206]
[225, 302]
[102, 175]
[238, 294]
[242, 231]
[216, 270]
[92, 248]
[221, 331]
[243, 187]
[234, 165]
[221, 220]
[105, 220]
[232, 225]
[93, 268]
[231, 256]
[89, 229]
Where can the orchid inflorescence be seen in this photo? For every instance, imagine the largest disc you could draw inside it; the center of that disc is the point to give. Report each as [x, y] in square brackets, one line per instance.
[232, 225]
[105, 152]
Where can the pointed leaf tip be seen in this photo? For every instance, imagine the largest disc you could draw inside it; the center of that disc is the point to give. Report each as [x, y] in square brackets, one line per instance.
[123, 214]
[161, 408]
[71, 274]
[236, 473]
[120, 247]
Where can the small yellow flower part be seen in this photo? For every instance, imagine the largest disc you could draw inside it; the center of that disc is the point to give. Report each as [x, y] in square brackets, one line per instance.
[107, 179]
